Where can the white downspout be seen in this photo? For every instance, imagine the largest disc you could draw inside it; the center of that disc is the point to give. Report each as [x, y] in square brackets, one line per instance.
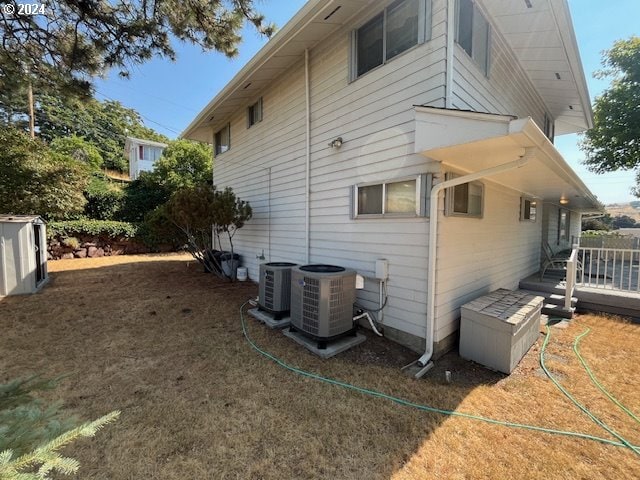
[451, 31]
[308, 155]
[423, 361]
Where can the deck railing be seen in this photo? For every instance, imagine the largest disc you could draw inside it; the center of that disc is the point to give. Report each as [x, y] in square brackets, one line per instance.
[608, 268]
[572, 270]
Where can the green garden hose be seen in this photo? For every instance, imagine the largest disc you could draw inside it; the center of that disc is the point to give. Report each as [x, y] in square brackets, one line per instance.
[584, 409]
[426, 408]
[595, 380]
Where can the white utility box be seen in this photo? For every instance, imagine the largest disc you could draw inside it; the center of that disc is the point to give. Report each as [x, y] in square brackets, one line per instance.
[498, 329]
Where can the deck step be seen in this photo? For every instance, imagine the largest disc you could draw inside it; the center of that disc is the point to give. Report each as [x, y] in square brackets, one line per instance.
[558, 310]
[552, 298]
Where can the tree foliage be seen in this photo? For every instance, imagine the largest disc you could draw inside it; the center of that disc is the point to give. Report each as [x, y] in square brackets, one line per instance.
[105, 125]
[614, 141]
[184, 164]
[74, 40]
[32, 433]
[104, 199]
[79, 149]
[36, 180]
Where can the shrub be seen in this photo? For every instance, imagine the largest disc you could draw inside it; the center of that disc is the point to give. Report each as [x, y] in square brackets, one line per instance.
[107, 228]
[104, 199]
[71, 242]
[140, 197]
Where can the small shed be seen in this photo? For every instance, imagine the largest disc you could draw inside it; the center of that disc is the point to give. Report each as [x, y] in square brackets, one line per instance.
[23, 254]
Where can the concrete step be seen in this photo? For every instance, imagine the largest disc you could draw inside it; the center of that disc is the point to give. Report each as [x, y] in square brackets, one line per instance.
[558, 311]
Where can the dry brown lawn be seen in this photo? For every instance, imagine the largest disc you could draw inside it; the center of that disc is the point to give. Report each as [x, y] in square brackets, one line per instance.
[158, 339]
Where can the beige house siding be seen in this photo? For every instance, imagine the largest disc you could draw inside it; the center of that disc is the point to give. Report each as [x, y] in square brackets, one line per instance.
[375, 116]
[477, 256]
[505, 90]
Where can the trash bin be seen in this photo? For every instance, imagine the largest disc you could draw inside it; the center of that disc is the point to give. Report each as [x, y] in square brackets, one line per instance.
[229, 265]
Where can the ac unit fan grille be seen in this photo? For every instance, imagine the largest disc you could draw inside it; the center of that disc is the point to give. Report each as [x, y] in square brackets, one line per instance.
[269, 286]
[337, 306]
[310, 305]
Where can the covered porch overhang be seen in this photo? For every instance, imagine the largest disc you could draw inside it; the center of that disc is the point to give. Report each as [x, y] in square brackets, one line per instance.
[468, 142]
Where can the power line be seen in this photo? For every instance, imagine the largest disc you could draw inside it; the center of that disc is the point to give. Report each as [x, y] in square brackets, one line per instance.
[171, 129]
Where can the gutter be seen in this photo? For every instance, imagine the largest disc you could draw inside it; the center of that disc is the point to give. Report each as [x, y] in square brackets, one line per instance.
[425, 360]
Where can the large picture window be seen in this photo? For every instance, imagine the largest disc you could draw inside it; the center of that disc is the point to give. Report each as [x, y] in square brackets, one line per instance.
[473, 33]
[223, 139]
[403, 197]
[400, 26]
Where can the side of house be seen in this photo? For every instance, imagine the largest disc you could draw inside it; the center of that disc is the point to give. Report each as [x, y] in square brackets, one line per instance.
[326, 153]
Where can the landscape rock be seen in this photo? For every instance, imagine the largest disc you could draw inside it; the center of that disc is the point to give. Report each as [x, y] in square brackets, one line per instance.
[80, 253]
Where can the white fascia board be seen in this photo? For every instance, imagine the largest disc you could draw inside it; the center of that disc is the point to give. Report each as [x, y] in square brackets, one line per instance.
[281, 38]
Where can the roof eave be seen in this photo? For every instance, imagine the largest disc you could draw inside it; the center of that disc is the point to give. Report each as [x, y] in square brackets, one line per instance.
[272, 46]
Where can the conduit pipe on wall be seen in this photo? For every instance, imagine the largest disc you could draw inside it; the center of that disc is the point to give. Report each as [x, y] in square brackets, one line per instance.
[307, 192]
[424, 360]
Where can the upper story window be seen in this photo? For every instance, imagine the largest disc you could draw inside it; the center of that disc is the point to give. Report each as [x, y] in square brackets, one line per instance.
[223, 139]
[254, 113]
[400, 197]
[400, 26]
[473, 33]
[149, 153]
[464, 200]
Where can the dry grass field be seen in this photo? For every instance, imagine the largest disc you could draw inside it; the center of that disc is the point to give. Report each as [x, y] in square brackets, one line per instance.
[161, 341]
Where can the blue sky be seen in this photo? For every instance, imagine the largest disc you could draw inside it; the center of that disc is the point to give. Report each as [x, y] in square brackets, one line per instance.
[170, 94]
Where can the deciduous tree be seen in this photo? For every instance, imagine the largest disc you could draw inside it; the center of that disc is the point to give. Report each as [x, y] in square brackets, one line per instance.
[614, 141]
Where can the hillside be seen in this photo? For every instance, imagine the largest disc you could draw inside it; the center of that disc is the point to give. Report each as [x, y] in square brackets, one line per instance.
[630, 209]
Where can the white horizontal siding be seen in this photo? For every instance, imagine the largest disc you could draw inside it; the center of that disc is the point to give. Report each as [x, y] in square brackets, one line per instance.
[375, 117]
[506, 90]
[477, 256]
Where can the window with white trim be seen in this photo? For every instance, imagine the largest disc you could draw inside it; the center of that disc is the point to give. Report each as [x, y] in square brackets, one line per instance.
[400, 26]
[223, 139]
[549, 127]
[397, 198]
[528, 209]
[466, 200]
[563, 226]
[473, 33]
[254, 113]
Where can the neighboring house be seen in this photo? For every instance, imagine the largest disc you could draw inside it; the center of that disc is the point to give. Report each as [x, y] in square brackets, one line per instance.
[340, 129]
[142, 154]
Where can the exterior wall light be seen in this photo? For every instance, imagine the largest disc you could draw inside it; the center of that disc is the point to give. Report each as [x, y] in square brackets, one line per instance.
[564, 201]
[337, 143]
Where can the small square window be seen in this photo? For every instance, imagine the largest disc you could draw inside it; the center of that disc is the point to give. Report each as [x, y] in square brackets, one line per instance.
[223, 139]
[254, 113]
[528, 209]
[464, 200]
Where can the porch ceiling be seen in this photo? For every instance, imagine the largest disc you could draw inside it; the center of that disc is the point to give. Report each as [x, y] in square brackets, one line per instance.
[470, 141]
[541, 34]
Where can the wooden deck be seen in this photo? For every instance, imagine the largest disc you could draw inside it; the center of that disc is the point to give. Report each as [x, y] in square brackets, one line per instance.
[589, 299]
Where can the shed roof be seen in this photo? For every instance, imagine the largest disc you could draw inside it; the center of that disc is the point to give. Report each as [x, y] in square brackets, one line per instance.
[21, 219]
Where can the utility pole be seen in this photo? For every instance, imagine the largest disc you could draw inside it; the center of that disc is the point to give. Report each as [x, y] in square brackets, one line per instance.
[32, 120]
